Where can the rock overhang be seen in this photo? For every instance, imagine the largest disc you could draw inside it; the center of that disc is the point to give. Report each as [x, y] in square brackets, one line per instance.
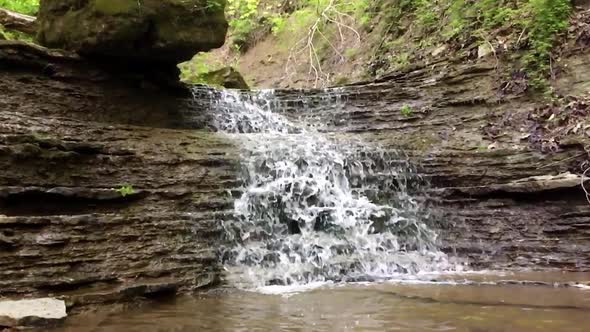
[145, 31]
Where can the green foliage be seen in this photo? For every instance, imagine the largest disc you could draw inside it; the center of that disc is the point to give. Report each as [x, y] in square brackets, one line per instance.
[213, 5]
[199, 70]
[302, 18]
[537, 22]
[546, 19]
[406, 110]
[28, 7]
[17, 35]
[461, 15]
[491, 14]
[341, 80]
[125, 190]
[355, 8]
[351, 52]
[426, 12]
[242, 16]
[245, 16]
[278, 23]
[14, 35]
[399, 60]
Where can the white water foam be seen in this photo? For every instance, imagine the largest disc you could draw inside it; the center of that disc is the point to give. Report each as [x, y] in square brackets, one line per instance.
[316, 209]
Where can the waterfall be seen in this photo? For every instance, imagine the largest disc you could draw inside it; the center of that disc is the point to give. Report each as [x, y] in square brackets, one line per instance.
[315, 206]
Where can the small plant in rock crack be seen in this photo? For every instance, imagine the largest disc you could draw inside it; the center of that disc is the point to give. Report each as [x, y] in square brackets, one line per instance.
[125, 190]
[406, 110]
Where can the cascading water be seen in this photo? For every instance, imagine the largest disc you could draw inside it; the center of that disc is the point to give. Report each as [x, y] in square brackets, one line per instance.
[316, 207]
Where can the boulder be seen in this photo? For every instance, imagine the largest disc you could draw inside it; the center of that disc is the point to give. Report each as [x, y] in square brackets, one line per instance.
[163, 31]
[226, 77]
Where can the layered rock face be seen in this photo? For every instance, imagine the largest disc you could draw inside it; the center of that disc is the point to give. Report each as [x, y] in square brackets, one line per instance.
[66, 229]
[67, 148]
[73, 133]
[501, 201]
[103, 197]
[169, 31]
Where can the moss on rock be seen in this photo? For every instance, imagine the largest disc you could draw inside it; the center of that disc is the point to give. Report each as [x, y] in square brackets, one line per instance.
[226, 77]
[114, 7]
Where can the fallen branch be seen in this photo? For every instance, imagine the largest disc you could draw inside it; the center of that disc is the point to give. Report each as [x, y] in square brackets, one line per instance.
[19, 22]
[15, 51]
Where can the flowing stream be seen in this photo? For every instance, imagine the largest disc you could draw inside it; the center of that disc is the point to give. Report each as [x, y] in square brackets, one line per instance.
[315, 207]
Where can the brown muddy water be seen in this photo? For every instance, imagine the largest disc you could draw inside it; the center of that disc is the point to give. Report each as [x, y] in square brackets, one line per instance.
[476, 303]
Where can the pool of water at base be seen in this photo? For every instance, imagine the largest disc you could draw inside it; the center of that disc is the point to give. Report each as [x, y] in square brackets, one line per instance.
[506, 302]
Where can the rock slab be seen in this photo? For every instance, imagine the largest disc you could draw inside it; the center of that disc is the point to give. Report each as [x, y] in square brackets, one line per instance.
[31, 312]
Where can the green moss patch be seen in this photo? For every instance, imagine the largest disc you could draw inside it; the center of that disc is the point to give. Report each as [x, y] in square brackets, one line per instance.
[114, 7]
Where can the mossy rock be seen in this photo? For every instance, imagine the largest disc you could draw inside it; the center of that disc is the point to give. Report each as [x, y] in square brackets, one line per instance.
[169, 31]
[226, 77]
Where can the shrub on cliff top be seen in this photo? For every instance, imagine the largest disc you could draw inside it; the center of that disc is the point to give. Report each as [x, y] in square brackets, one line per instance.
[28, 7]
[528, 26]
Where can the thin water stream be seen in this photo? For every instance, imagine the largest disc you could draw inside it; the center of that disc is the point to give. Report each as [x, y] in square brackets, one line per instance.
[329, 234]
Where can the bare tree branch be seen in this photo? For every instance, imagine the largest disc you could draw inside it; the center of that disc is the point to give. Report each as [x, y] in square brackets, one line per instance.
[19, 22]
[330, 14]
